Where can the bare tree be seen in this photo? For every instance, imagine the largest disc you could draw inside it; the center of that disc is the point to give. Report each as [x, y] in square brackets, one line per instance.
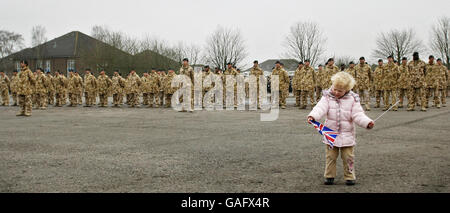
[10, 42]
[345, 60]
[225, 46]
[399, 43]
[440, 39]
[38, 35]
[305, 41]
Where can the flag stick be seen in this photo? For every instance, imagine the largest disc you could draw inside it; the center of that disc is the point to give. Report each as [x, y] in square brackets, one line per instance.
[386, 111]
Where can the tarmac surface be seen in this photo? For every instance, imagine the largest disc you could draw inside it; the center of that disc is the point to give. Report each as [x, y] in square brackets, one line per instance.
[79, 149]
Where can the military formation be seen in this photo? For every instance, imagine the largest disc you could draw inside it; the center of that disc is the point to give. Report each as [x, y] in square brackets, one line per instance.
[414, 80]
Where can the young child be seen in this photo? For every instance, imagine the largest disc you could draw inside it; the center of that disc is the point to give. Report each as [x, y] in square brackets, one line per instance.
[342, 108]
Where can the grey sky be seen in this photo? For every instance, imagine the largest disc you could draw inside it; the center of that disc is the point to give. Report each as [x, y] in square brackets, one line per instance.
[351, 26]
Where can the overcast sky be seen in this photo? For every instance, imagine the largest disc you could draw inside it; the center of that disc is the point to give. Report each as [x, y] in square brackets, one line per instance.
[350, 26]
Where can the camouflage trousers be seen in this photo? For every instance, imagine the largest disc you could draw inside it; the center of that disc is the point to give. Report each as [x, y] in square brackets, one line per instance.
[133, 99]
[364, 97]
[15, 98]
[443, 96]
[387, 94]
[284, 93]
[41, 100]
[60, 99]
[73, 98]
[161, 98]
[5, 97]
[51, 98]
[168, 98]
[89, 98]
[117, 99]
[304, 95]
[297, 94]
[103, 100]
[413, 95]
[318, 93]
[79, 96]
[25, 105]
[145, 99]
[402, 93]
[348, 159]
[378, 94]
[153, 98]
[432, 92]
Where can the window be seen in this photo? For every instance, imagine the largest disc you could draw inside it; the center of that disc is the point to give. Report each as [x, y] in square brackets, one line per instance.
[48, 66]
[70, 65]
[18, 66]
[39, 64]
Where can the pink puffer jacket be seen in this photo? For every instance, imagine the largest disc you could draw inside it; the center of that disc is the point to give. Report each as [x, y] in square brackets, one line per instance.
[341, 113]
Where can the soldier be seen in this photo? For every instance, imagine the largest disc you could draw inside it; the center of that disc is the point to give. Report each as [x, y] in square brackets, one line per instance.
[416, 69]
[79, 88]
[432, 78]
[71, 88]
[60, 89]
[330, 70]
[320, 82]
[90, 86]
[168, 89]
[378, 82]
[104, 84]
[13, 86]
[33, 95]
[162, 75]
[363, 76]
[154, 88]
[389, 82]
[230, 71]
[24, 90]
[118, 85]
[403, 81]
[134, 84]
[307, 84]
[41, 89]
[4, 88]
[257, 72]
[145, 88]
[188, 71]
[283, 78]
[443, 83]
[50, 88]
[351, 70]
[296, 83]
[206, 76]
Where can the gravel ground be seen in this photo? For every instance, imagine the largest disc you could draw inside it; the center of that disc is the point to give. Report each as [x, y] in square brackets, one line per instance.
[160, 150]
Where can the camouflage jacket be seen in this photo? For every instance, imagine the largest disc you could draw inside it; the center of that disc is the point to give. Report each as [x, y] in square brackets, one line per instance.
[363, 76]
[321, 79]
[390, 76]
[283, 78]
[167, 84]
[60, 83]
[26, 80]
[378, 77]
[41, 84]
[4, 83]
[330, 70]
[104, 84]
[403, 79]
[433, 75]
[134, 83]
[308, 81]
[417, 73]
[50, 84]
[444, 77]
[296, 80]
[188, 71]
[118, 84]
[90, 83]
[14, 83]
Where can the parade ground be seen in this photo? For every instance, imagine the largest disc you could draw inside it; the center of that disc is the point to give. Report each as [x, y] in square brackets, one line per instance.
[79, 149]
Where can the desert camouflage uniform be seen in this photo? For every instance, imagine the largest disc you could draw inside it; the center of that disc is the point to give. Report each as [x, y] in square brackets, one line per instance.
[90, 87]
[403, 83]
[104, 84]
[378, 76]
[443, 84]
[24, 91]
[390, 77]
[207, 80]
[13, 86]
[418, 84]
[189, 72]
[79, 90]
[284, 81]
[296, 83]
[168, 89]
[145, 89]
[321, 83]
[433, 79]
[330, 70]
[41, 91]
[233, 73]
[154, 89]
[362, 76]
[60, 83]
[134, 83]
[4, 89]
[257, 72]
[161, 90]
[307, 84]
[50, 89]
[118, 85]
[74, 88]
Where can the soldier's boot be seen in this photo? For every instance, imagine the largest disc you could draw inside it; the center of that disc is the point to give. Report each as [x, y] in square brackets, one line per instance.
[367, 106]
[21, 112]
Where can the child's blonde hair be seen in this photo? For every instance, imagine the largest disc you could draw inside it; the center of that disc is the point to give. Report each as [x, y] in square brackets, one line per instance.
[343, 80]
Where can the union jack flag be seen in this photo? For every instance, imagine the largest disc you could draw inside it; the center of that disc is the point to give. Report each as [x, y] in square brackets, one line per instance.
[329, 134]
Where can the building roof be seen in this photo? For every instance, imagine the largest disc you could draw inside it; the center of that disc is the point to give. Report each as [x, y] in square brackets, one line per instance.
[66, 46]
[289, 64]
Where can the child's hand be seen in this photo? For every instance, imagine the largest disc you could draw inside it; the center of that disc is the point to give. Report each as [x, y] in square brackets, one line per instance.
[370, 125]
[310, 118]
